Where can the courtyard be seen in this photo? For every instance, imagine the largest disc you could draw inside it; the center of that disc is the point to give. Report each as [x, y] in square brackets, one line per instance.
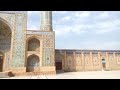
[75, 75]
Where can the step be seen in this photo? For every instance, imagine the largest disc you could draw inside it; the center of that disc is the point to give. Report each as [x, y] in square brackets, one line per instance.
[5, 74]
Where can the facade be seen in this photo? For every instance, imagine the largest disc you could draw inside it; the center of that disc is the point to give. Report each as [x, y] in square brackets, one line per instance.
[87, 60]
[24, 51]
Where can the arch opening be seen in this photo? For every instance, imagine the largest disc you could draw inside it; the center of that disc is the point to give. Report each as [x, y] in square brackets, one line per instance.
[103, 63]
[33, 45]
[5, 44]
[33, 63]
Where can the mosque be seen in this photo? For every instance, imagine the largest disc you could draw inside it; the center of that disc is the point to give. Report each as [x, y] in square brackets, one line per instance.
[31, 51]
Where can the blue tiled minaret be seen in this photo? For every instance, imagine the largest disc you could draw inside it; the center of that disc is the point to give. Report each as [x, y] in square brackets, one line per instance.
[46, 21]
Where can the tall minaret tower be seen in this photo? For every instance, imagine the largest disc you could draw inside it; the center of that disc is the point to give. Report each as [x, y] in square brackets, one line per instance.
[48, 43]
[46, 21]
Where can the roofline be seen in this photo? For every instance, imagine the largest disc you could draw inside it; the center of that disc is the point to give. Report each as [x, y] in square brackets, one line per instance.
[84, 50]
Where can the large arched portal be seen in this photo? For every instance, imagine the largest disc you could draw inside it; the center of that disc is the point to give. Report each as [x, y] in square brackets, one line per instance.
[5, 43]
[33, 63]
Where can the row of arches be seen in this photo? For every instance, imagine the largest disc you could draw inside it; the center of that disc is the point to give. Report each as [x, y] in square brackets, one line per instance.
[33, 61]
[33, 44]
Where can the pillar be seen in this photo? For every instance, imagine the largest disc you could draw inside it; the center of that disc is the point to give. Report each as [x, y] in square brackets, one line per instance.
[83, 60]
[91, 62]
[100, 60]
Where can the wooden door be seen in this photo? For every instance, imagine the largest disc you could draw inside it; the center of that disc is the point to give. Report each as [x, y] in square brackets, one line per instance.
[104, 65]
[1, 63]
[58, 65]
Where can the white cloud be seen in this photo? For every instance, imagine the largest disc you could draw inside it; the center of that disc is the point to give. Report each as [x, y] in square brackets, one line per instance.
[66, 18]
[78, 27]
[60, 12]
[82, 14]
[66, 30]
[80, 23]
[102, 15]
[62, 30]
[108, 26]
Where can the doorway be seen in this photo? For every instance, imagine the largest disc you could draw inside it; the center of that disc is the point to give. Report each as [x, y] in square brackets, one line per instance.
[103, 63]
[32, 63]
[5, 41]
[58, 65]
[1, 62]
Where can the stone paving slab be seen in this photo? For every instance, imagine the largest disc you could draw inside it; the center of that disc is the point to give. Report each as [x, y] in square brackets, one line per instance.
[75, 75]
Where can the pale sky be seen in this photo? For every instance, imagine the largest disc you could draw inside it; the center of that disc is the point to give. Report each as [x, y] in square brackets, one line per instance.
[82, 29]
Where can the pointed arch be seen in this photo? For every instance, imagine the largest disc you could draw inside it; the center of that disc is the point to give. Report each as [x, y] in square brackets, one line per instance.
[5, 43]
[33, 62]
[33, 44]
[6, 23]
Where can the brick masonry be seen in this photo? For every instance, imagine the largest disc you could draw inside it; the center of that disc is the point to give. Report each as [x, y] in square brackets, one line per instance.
[83, 60]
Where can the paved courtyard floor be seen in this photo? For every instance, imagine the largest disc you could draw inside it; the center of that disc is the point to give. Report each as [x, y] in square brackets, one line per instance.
[75, 75]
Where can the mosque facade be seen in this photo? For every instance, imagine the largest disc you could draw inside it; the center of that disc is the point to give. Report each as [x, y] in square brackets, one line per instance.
[24, 51]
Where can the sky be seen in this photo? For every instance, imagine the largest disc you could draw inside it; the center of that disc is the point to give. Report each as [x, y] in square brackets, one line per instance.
[88, 30]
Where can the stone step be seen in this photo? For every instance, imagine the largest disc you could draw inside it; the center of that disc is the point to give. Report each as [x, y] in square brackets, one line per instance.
[60, 71]
[4, 74]
[106, 69]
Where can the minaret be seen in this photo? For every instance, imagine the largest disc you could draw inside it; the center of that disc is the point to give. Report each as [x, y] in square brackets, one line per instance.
[46, 21]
